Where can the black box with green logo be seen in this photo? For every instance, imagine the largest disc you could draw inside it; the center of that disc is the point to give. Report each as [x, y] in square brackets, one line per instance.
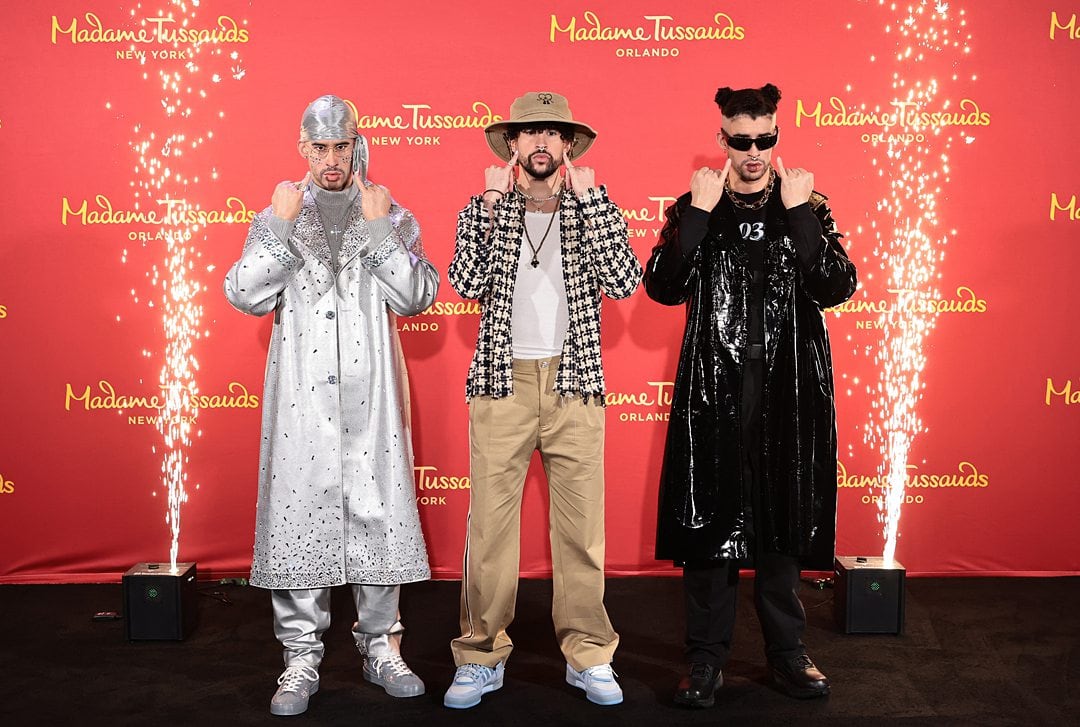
[160, 603]
[869, 595]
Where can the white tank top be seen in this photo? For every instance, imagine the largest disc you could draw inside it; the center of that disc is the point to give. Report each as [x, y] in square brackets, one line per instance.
[541, 315]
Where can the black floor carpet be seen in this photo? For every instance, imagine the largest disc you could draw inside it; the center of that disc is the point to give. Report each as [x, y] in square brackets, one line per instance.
[974, 652]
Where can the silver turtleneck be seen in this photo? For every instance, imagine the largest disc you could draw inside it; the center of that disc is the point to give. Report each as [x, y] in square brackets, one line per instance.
[334, 207]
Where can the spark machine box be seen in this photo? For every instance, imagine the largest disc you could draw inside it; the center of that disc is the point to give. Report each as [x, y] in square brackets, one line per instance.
[160, 603]
[869, 595]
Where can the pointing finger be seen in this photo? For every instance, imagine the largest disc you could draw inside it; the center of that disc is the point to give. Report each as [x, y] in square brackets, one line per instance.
[513, 159]
[566, 160]
[725, 170]
[303, 183]
[780, 168]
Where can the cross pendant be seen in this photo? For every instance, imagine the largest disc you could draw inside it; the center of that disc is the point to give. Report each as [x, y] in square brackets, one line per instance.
[535, 263]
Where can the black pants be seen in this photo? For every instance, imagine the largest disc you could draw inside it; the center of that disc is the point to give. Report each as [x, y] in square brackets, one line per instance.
[711, 588]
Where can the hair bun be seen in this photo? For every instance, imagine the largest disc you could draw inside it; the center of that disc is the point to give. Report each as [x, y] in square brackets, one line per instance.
[722, 96]
[771, 93]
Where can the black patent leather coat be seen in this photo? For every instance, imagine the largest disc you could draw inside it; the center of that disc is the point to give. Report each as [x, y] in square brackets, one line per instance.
[701, 493]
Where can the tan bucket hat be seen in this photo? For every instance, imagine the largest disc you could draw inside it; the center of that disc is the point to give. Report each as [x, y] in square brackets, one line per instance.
[536, 107]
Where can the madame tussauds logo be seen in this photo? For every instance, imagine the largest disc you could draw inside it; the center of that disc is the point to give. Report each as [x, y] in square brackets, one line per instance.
[428, 480]
[967, 476]
[440, 308]
[589, 28]
[160, 30]
[658, 28]
[171, 212]
[653, 404]
[900, 116]
[419, 117]
[652, 215]
[964, 301]
[104, 396]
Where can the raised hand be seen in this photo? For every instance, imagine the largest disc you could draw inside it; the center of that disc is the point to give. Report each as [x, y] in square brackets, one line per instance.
[795, 184]
[288, 198]
[374, 199]
[501, 177]
[707, 186]
[580, 179]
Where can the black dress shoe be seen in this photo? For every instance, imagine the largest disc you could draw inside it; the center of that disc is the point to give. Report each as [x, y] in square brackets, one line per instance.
[799, 678]
[698, 688]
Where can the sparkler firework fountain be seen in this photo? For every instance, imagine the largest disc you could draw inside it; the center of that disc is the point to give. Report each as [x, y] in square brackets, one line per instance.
[162, 183]
[916, 163]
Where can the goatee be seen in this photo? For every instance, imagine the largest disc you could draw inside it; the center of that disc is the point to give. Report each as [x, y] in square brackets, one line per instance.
[538, 174]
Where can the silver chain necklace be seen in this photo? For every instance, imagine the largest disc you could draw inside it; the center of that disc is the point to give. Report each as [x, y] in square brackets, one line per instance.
[539, 202]
[336, 228]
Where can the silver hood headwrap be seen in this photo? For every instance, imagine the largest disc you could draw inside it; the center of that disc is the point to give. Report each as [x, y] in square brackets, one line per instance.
[328, 118]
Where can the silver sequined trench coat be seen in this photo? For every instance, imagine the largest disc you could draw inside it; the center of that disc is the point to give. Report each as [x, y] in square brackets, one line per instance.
[336, 503]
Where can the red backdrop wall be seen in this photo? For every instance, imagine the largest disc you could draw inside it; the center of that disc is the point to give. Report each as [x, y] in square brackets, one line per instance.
[112, 113]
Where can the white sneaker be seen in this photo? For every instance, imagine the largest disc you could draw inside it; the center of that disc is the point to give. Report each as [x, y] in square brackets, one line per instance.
[296, 685]
[598, 682]
[392, 674]
[472, 681]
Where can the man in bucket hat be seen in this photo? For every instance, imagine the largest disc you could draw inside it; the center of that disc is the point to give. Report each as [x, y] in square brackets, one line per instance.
[537, 248]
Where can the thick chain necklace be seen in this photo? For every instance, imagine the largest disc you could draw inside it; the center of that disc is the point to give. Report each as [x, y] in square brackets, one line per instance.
[755, 205]
[535, 262]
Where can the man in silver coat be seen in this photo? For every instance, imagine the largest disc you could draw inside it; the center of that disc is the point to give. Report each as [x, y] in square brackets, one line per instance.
[335, 259]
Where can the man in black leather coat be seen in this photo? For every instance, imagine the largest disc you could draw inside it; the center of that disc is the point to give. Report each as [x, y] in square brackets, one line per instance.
[749, 471]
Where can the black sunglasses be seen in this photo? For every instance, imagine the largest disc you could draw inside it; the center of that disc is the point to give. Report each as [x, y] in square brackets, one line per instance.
[743, 143]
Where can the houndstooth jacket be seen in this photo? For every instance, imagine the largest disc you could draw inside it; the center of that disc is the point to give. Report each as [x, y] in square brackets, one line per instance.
[597, 257]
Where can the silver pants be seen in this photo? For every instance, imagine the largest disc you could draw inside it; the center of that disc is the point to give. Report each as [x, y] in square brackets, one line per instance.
[301, 616]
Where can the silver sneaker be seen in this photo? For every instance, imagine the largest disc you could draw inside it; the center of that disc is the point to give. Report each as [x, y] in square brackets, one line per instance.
[472, 681]
[392, 674]
[295, 686]
[598, 682]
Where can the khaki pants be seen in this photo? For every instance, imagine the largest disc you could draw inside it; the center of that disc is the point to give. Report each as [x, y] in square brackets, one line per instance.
[503, 433]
